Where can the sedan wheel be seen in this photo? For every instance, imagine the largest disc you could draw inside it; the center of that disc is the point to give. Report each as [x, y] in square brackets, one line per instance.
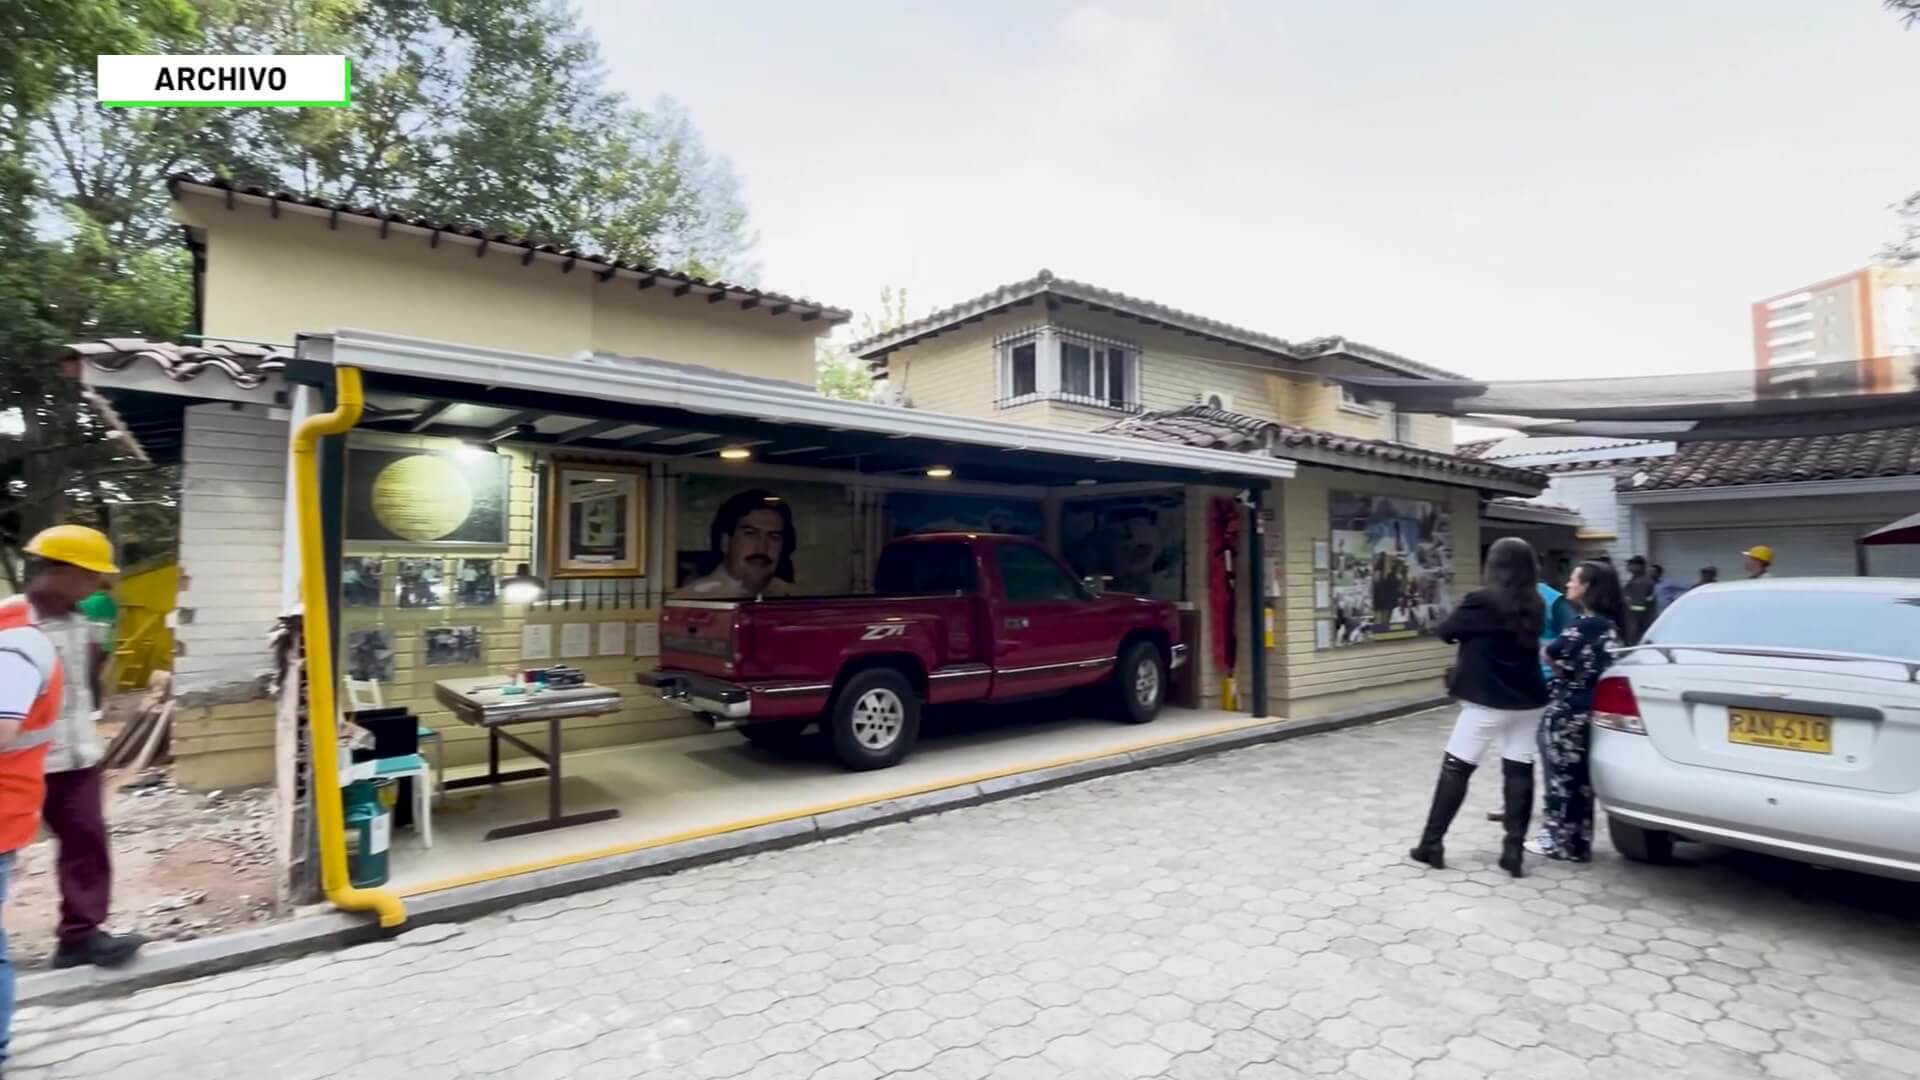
[1638, 844]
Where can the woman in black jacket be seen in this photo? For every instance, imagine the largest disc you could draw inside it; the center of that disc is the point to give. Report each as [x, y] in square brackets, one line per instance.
[1497, 679]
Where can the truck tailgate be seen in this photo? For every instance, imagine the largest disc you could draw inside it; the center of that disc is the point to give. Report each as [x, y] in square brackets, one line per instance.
[700, 635]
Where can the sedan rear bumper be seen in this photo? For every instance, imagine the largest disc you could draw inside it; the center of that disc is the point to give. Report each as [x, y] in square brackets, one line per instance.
[1868, 831]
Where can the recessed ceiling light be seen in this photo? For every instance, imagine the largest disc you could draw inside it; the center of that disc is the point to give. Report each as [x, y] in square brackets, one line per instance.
[939, 472]
[1089, 482]
[736, 453]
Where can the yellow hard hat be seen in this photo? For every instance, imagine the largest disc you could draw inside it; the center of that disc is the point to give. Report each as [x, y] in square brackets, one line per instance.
[1759, 551]
[76, 545]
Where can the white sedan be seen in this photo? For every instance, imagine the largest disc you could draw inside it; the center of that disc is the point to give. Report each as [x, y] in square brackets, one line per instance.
[1779, 716]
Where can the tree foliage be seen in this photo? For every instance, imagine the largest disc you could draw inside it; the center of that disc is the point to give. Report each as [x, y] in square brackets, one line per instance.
[488, 112]
[839, 373]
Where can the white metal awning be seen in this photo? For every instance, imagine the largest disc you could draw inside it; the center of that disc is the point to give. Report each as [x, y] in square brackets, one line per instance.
[617, 385]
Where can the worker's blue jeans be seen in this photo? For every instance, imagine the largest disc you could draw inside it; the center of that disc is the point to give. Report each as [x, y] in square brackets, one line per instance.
[6, 965]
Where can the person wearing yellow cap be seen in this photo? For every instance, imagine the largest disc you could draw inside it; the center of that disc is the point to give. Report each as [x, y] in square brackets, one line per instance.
[1759, 560]
[73, 563]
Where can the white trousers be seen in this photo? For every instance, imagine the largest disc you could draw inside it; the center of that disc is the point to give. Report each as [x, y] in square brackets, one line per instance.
[1478, 727]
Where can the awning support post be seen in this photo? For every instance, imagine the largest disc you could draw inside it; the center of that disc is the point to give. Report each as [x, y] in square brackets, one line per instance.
[1257, 599]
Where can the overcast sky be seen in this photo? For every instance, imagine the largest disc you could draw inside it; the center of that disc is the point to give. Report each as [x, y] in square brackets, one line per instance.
[1498, 187]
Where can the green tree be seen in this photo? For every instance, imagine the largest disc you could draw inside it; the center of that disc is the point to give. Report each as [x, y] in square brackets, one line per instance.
[840, 374]
[487, 112]
[50, 288]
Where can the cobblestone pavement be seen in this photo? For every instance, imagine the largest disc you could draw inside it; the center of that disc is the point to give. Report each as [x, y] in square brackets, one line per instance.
[1247, 916]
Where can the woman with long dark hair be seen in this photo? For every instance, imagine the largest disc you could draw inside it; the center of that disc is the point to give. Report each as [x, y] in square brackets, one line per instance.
[1497, 679]
[1580, 655]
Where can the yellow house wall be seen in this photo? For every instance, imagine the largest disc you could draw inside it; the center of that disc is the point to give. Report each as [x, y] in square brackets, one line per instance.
[269, 279]
[223, 746]
[956, 372]
[1307, 681]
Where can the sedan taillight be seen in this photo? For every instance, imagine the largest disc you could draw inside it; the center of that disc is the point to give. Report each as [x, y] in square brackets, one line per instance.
[1615, 708]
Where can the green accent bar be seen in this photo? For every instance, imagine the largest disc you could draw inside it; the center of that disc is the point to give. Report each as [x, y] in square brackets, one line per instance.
[226, 104]
[345, 102]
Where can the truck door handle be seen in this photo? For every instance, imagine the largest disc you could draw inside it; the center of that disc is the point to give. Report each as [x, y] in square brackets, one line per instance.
[1016, 624]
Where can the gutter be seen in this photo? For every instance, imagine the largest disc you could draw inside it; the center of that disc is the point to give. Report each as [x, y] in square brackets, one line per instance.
[318, 634]
[1879, 485]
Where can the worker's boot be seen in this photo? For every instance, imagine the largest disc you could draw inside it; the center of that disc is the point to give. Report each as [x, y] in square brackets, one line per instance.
[98, 948]
[1448, 793]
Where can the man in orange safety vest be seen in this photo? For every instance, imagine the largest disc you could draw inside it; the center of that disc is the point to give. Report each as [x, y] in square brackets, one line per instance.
[33, 696]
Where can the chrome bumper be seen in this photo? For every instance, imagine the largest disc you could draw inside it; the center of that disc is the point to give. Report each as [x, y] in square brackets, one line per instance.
[1179, 657]
[701, 694]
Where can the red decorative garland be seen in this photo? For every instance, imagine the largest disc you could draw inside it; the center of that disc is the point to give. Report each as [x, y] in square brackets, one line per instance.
[1223, 556]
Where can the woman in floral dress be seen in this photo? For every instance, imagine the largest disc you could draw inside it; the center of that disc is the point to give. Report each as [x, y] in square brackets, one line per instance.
[1580, 655]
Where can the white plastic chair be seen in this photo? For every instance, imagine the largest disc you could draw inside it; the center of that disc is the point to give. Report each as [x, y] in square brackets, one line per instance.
[363, 694]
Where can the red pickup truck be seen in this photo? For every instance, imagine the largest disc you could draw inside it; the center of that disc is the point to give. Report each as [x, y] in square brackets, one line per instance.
[957, 617]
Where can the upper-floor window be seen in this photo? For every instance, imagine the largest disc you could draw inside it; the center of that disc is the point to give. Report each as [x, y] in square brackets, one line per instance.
[1399, 425]
[1396, 426]
[1062, 365]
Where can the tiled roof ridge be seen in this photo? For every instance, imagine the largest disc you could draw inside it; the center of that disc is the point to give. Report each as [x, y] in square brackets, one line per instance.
[529, 244]
[1046, 281]
[246, 365]
[1852, 455]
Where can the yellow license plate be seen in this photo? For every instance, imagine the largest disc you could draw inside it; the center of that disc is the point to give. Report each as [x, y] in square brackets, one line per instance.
[1781, 730]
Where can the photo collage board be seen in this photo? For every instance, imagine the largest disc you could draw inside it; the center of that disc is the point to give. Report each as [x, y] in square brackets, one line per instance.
[1391, 567]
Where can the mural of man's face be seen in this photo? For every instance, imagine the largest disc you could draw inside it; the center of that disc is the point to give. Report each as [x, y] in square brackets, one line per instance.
[754, 548]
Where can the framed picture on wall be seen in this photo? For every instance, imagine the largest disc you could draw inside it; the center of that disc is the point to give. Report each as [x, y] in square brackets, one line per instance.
[361, 580]
[448, 646]
[401, 499]
[596, 520]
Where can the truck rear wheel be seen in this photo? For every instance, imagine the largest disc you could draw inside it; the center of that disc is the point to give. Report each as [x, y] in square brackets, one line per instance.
[1140, 682]
[875, 720]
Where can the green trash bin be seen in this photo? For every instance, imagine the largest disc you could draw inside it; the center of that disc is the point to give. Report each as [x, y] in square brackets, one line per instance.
[369, 828]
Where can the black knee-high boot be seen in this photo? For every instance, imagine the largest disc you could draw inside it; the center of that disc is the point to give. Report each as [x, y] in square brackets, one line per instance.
[1516, 789]
[1448, 794]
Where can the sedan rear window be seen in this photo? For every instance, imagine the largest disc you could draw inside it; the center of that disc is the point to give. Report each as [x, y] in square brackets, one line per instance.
[1877, 624]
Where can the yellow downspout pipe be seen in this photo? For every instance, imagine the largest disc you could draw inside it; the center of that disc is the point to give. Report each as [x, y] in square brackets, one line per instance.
[318, 625]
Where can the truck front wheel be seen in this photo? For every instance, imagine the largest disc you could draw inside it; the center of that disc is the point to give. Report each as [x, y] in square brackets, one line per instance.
[1140, 682]
[875, 719]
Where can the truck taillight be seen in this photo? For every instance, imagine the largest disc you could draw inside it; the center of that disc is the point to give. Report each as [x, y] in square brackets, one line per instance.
[1615, 708]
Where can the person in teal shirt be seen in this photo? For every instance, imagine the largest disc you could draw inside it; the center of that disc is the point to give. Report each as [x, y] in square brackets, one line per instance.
[1559, 617]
